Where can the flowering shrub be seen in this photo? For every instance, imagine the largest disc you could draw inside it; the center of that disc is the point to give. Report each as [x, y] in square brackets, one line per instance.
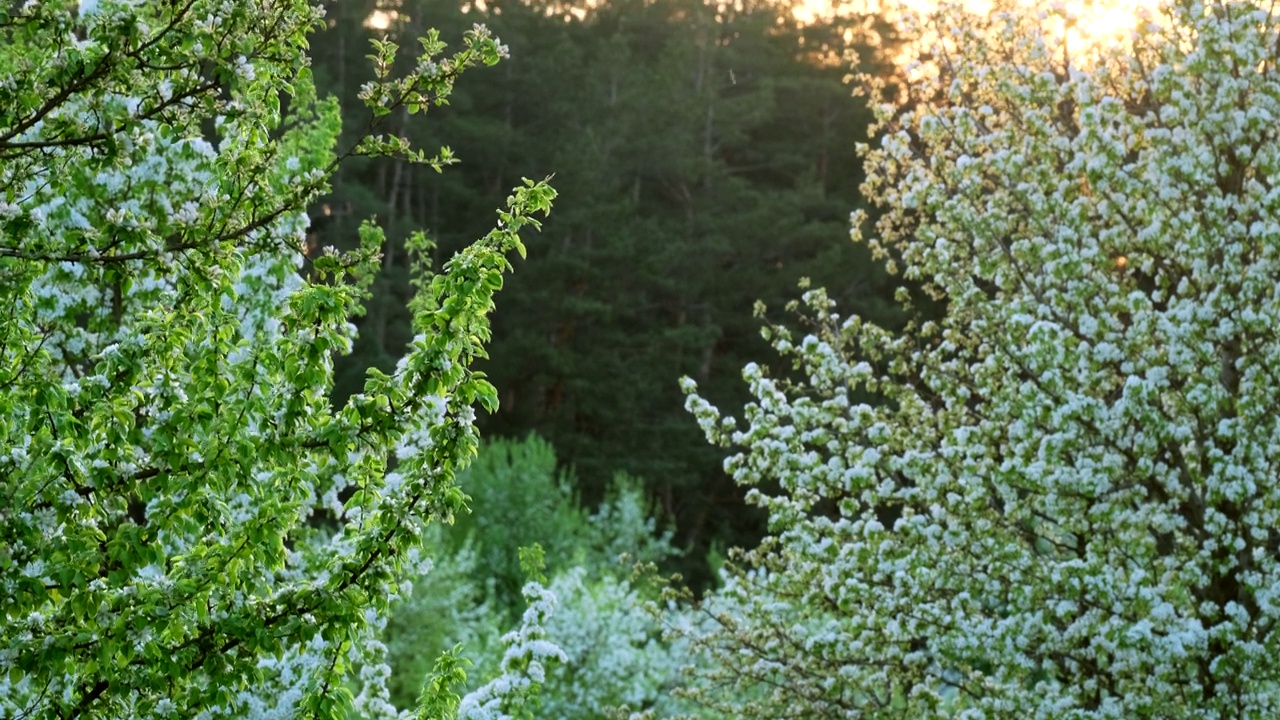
[444, 609]
[1062, 501]
[613, 649]
[190, 529]
[620, 661]
[518, 498]
[513, 693]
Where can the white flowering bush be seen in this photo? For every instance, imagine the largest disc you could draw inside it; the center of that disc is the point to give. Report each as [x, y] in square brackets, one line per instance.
[619, 659]
[1058, 500]
[189, 527]
[624, 528]
[614, 653]
[514, 692]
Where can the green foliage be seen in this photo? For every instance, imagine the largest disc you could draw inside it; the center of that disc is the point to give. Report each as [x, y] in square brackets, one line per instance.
[520, 499]
[439, 698]
[190, 527]
[517, 499]
[465, 598]
[533, 561]
[706, 154]
[447, 611]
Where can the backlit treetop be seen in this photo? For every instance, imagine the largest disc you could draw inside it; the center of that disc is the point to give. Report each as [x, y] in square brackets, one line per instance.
[1063, 501]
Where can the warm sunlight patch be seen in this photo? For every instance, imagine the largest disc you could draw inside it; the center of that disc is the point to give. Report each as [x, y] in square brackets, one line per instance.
[1087, 23]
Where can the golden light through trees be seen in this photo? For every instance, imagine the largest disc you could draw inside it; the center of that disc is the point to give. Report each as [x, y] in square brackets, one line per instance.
[1079, 34]
[1086, 24]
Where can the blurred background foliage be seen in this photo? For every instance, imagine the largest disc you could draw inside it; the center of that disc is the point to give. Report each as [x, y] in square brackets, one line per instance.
[616, 651]
[705, 158]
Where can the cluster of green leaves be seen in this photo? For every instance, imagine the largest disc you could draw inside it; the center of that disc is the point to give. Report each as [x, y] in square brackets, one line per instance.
[190, 527]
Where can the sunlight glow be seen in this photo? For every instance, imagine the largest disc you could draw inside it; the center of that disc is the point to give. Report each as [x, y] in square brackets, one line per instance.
[381, 19]
[1083, 23]
[1082, 32]
[1106, 21]
[1087, 23]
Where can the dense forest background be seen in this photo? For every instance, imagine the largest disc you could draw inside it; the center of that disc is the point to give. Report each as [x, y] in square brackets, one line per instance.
[705, 160]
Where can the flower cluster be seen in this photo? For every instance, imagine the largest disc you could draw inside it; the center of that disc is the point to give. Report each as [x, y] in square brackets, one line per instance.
[524, 664]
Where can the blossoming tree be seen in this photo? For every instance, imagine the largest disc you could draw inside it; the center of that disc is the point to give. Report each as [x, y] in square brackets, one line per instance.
[189, 528]
[1060, 499]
